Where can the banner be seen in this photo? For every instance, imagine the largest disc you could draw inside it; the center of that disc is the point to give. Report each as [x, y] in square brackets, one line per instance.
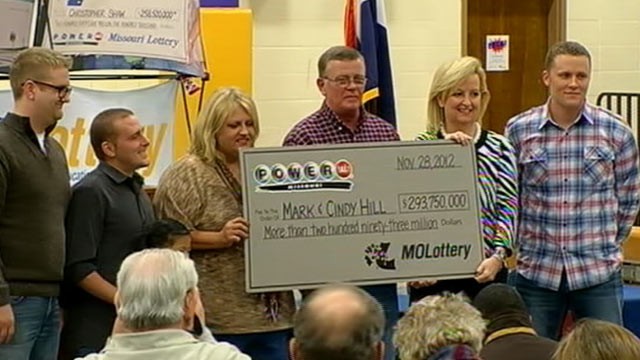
[17, 24]
[145, 28]
[194, 65]
[154, 107]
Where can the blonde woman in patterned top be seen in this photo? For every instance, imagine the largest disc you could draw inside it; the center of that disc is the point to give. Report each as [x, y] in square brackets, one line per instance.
[202, 190]
[457, 101]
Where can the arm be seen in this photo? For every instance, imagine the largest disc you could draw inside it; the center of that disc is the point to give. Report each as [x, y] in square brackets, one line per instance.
[97, 286]
[507, 199]
[84, 226]
[180, 196]
[7, 321]
[627, 185]
[233, 232]
[4, 186]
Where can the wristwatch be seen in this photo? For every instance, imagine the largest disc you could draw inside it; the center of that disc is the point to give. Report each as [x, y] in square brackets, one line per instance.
[501, 254]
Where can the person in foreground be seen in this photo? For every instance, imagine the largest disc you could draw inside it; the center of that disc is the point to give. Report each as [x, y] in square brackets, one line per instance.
[440, 327]
[579, 196]
[203, 191]
[338, 322]
[342, 119]
[509, 331]
[598, 340]
[457, 102]
[156, 302]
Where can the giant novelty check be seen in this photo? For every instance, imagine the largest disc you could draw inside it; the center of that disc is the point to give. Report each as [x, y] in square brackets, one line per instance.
[362, 214]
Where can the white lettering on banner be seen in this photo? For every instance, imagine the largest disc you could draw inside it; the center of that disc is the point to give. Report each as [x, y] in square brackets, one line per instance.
[154, 107]
[130, 28]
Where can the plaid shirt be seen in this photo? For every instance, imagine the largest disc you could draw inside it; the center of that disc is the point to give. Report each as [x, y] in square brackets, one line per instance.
[578, 195]
[324, 127]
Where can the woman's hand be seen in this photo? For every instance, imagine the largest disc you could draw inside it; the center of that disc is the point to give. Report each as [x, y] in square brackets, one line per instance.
[234, 231]
[422, 283]
[459, 137]
[488, 269]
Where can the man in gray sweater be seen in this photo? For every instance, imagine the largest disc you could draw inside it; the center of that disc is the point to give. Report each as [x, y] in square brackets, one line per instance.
[34, 192]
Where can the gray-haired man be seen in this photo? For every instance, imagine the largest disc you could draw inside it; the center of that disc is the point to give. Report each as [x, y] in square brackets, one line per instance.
[156, 302]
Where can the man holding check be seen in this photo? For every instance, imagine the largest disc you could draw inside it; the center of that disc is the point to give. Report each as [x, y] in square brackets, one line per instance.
[342, 119]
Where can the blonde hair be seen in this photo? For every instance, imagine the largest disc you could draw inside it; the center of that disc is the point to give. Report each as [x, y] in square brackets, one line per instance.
[218, 108]
[445, 80]
[34, 64]
[436, 322]
[598, 340]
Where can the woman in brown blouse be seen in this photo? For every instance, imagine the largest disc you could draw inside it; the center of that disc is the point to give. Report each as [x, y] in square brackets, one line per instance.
[202, 190]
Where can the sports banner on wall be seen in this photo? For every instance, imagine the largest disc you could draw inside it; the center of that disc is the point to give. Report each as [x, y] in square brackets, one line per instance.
[124, 34]
[154, 107]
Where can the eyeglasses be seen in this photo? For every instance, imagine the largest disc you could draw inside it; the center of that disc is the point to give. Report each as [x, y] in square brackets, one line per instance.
[63, 90]
[344, 81]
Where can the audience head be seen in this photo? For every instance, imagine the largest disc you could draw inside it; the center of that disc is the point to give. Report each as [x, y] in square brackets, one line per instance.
[157, 289]
[39, 79]
[502, 307]
[227, 122]
[168, 233]
[598, 340]
[458, 94]
[338, 322]
[342, 79]
[117, 138]
[438, 325]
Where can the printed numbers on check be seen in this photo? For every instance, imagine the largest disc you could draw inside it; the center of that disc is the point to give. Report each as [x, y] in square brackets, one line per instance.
[438, 161]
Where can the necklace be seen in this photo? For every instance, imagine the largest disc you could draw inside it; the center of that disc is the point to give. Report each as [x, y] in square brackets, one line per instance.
[476, 134]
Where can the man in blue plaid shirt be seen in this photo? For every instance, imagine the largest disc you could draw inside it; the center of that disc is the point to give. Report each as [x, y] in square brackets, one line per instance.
[579, 196]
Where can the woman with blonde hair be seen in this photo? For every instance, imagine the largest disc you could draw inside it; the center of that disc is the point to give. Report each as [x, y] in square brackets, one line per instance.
[440, 328]
[598, 340]
[202, 190]
[457, 102]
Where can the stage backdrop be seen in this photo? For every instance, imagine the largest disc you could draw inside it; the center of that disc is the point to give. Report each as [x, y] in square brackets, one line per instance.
[154, 106]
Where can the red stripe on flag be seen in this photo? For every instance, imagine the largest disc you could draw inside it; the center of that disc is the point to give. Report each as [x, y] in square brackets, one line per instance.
[350, 36]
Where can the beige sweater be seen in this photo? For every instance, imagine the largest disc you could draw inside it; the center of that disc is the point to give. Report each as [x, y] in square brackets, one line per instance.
[194, 193]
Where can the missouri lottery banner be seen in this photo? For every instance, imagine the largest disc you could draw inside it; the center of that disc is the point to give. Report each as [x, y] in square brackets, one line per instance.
[154, 107]
[145, 28]
[362, 214]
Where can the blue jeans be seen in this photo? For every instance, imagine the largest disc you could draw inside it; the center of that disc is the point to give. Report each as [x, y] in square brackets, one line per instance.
[37, 329]
[271, 345]
[387, 296]
[549, 308]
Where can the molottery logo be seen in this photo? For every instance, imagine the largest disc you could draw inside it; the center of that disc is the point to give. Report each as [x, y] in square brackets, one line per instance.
[311, 176]
[377, 254]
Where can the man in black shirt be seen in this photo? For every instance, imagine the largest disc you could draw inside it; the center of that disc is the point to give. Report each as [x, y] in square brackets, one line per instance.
[105, 222]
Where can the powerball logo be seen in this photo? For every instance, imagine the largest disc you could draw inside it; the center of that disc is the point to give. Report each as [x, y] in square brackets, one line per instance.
[311, 176]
